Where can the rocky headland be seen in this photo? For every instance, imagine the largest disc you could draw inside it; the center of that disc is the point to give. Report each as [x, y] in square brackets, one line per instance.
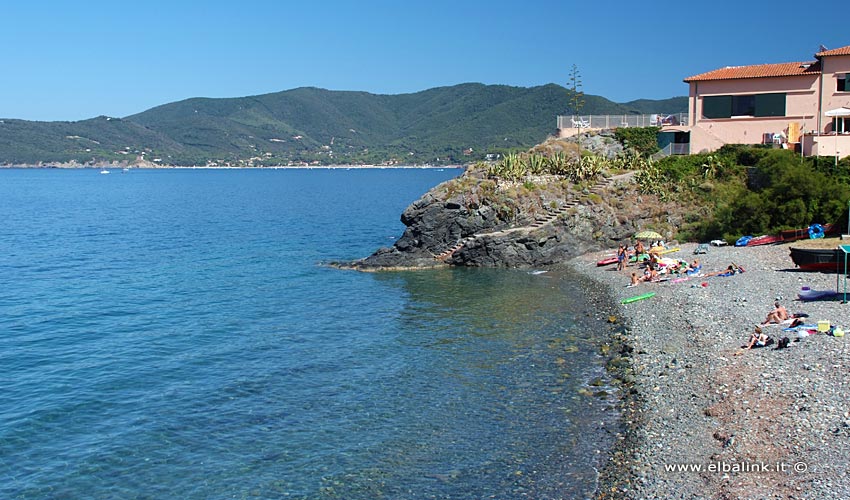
[477, 221]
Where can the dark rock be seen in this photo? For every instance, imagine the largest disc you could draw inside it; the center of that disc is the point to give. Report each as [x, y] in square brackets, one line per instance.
[474, 221]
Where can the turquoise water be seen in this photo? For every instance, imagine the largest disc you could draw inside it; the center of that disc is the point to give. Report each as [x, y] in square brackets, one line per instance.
[173, 334]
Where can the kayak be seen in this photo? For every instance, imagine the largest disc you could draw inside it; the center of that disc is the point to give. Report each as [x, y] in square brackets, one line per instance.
[605, 262]
[638, 297]
[767, 239]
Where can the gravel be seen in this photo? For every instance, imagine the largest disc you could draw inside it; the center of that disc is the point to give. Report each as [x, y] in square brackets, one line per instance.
[762, 423]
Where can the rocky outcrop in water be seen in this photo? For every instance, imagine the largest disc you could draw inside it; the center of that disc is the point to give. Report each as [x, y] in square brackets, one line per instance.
[475, 221]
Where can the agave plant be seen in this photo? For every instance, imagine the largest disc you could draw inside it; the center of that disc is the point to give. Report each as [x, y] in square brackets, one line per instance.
[510, 167]
[558, 163]
[651, 180]
[535, 163]
[588, 167]
[711, 167]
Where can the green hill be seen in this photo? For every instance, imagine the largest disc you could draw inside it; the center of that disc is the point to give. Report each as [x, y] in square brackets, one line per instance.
[315, 125]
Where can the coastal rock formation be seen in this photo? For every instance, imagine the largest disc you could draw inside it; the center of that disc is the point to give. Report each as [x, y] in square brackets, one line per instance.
[476, 221]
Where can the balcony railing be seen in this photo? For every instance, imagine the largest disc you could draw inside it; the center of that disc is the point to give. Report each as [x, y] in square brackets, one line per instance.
[674, 148]
[617, 121]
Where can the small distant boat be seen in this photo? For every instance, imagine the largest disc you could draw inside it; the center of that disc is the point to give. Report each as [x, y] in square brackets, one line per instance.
[104, 171]
[818, 259]
[125, 170]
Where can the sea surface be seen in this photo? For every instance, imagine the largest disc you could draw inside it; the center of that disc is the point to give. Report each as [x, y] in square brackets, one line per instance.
[176, 334]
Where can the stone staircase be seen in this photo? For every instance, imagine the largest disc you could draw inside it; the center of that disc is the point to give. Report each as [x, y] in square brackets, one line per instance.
[443, 256]
[539, 221]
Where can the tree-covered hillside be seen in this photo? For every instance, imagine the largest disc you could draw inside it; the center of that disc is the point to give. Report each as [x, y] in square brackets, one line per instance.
[441, 125]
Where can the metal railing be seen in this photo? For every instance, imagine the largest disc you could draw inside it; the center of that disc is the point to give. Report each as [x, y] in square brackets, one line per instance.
[674, 148]
[617, 121]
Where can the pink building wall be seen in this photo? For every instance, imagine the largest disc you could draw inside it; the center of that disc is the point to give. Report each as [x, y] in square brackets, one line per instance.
[808, 97]
[709, 134]
[832, 98]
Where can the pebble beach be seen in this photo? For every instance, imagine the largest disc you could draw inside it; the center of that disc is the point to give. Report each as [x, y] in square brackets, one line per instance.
[704, 418]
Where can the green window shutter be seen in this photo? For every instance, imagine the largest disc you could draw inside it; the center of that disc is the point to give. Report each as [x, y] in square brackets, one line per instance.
[770, 105]
[743, 105]
[717, 106]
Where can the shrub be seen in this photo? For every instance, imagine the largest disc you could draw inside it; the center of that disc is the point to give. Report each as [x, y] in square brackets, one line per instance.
[644, 140]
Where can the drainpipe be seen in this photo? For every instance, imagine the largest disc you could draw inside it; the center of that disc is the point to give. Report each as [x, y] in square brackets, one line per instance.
[820, 95]
[692, 119]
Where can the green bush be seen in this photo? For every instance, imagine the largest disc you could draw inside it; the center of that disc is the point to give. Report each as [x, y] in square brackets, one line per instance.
[740, 190]
[644, 140]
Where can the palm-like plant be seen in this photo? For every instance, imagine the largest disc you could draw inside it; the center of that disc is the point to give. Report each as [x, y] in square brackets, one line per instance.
[558, 163]
[535, 163]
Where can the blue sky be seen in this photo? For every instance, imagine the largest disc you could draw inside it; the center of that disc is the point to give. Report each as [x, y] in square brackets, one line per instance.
[64, 60]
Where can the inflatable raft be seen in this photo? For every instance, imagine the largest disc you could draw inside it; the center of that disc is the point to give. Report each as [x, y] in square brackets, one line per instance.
[638, 297]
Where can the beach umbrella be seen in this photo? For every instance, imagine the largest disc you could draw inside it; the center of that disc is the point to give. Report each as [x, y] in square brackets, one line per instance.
[842, 111]
[648, 235]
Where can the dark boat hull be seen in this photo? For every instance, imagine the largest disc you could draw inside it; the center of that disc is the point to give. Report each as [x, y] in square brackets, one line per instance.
[803, 233]
[818, 259]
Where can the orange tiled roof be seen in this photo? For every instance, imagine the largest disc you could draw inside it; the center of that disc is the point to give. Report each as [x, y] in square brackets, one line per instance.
[841, 51]
[758, 71]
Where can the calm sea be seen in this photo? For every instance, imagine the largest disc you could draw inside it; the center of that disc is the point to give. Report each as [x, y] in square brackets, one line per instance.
[174, 334]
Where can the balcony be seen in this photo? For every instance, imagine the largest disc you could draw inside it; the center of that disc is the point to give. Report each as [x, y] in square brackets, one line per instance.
[837, 145]
[599, 122]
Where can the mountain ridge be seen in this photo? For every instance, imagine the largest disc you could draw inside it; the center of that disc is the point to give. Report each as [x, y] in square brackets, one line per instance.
[310, 125]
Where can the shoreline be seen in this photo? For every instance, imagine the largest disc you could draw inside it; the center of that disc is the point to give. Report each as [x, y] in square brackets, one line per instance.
[693, 399]
[205, 167]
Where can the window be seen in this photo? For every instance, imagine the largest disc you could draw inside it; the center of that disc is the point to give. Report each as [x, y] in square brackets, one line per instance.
[770, 105]
[843, 85]
[717, 106]
[727, 106]
[743, 105]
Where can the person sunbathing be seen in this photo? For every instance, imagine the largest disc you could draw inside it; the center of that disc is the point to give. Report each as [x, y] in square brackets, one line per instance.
[729, 271]
[694, 268]
[757, 339]
[650, 274]
[777, 315]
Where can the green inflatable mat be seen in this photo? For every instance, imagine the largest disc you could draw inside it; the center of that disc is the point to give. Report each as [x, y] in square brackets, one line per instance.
[638, 297]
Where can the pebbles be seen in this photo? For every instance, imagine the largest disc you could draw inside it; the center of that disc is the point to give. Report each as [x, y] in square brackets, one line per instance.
[692, 382]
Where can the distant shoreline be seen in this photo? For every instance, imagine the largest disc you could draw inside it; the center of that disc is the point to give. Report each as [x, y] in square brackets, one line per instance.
[206, 167]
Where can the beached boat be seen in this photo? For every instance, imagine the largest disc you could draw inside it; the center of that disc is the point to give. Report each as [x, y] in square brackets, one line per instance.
[766, 239]
[818, 259]
[606, 261]
[805, 233]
